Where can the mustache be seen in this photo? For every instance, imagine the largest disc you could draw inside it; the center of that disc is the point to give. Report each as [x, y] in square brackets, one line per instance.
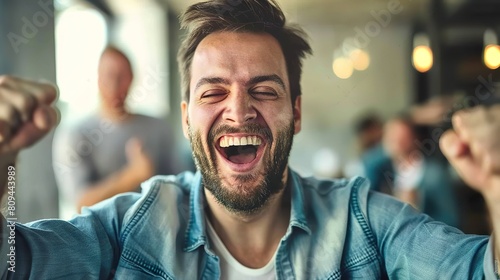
[251, 128]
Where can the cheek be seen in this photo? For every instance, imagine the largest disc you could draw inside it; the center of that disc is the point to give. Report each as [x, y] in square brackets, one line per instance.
[201, 120]
[279, 118]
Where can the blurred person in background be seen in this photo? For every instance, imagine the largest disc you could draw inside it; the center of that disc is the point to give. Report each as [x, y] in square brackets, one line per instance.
[114, 150]
[369, 129]
[375, 163]
[420, 179]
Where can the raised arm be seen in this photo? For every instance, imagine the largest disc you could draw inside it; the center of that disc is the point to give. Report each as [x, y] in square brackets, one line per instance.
[87, 246]
[473, 148]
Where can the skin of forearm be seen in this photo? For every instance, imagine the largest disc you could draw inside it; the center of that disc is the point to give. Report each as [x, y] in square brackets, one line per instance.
[124, 180]
[494, 210]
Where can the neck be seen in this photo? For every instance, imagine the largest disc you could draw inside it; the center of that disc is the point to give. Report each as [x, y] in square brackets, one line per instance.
[115, 114]
[406, 160]
[252, 239]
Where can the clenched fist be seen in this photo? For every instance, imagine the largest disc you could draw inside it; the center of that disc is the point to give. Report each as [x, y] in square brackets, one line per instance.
[26, 114]
[473, 148]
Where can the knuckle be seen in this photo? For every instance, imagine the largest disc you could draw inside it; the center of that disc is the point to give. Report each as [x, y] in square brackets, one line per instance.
[456, 118]
[27, 103]
[47, 91]
[10, 112]
[52, 91]
[4, 79]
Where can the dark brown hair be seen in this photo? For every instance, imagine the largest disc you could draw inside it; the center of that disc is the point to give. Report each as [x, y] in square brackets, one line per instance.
[259, 16]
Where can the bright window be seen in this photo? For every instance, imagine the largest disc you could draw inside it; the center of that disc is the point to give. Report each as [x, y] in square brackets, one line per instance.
[81, 35]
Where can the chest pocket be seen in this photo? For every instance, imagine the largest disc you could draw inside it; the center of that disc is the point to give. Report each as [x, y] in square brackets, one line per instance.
[361, 258]
[364, 268]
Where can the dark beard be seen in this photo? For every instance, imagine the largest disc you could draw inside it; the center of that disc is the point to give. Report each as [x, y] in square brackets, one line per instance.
[245, 199]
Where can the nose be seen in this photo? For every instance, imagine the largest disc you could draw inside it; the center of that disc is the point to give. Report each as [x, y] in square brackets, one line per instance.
[240, 108]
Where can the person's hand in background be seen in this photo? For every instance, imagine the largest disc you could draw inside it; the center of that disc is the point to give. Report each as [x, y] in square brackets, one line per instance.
[139, 163]
[139, 168]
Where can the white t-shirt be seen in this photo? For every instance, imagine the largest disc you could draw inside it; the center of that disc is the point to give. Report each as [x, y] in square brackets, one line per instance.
[408, 176]
[231, 268]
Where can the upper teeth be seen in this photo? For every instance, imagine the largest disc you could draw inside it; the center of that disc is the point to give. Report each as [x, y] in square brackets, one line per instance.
[227, 141]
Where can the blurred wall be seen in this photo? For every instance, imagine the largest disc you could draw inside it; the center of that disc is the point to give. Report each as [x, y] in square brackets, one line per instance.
[330, 105]
[174, 33]
[27, 49]
[5, 61]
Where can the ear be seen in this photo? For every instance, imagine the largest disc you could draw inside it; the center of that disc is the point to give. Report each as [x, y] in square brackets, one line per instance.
[297, 114]
[185, 122]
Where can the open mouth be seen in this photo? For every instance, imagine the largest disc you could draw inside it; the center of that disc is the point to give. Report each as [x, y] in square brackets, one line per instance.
[240, 149]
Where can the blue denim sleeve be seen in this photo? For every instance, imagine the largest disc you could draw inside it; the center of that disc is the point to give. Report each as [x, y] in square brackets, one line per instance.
[414, 246]
[85, 247]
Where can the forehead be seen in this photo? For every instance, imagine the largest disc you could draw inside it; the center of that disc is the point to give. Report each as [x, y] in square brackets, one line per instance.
[239, 55]
[398, 127]
[113, 59]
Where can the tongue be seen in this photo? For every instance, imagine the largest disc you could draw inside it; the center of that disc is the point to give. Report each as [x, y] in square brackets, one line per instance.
[245, 154]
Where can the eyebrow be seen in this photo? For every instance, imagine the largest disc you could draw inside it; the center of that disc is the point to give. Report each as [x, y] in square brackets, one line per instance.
[211, 80]
[273, 78]
[255, 80]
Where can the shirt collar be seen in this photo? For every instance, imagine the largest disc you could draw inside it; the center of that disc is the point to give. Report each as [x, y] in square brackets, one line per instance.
[195, 231]
[298, 211]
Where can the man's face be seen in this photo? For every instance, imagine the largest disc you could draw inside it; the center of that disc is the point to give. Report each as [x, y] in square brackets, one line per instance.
[114, 79]
[240, 119]
[398, 139]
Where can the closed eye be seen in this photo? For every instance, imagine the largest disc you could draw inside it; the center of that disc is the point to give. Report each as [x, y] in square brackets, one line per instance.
[264, 94]
[213, 96]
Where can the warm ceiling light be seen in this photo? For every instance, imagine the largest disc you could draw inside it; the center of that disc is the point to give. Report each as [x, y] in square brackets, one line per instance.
[360, 59]
[492, 56]
[342, 67]
[422, 58]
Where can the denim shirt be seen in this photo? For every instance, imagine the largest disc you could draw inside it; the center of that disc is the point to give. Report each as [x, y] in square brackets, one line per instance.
[338, 230]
